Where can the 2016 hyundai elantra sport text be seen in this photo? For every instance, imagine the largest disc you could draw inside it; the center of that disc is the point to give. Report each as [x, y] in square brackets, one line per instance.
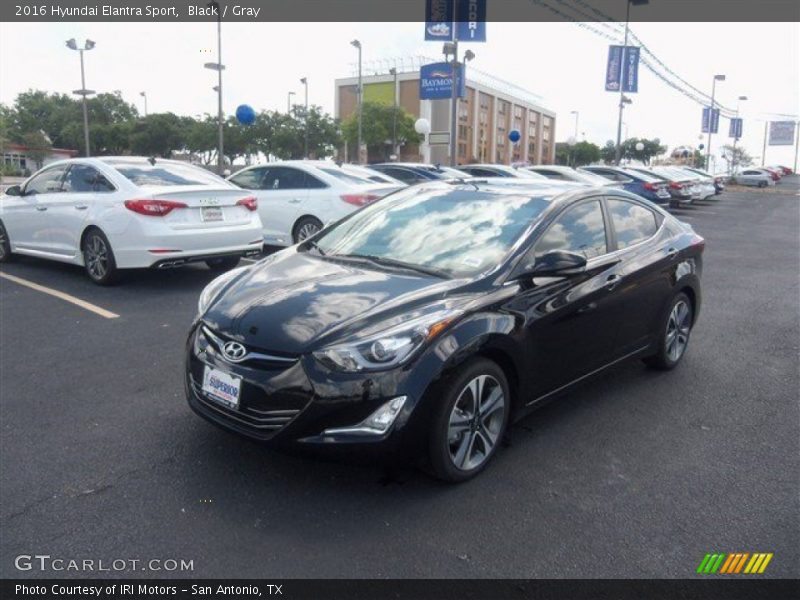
[424, 323]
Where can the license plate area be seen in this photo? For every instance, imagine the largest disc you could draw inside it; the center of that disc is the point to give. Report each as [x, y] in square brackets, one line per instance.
[222, 387]
[211, 214]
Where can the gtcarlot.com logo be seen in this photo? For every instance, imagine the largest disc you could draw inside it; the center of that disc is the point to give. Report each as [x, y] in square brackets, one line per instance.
[734, 563]
[45, 562]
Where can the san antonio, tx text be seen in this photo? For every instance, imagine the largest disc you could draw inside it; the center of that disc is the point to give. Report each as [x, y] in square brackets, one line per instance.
[129, 589]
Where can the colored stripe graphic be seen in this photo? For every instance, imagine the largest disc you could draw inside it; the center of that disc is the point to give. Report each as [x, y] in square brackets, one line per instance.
[735, 563]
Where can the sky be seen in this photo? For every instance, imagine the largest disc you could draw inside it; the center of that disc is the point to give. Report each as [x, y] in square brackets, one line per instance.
[562, 62]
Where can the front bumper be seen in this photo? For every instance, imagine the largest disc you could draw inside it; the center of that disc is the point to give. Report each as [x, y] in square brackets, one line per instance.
[290, 403]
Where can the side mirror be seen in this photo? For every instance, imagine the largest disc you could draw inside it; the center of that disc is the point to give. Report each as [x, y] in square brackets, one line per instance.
[559, 263]
[14, 190]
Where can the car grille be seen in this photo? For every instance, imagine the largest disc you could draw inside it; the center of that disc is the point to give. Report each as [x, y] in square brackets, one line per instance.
[266, 422]
[254, 357]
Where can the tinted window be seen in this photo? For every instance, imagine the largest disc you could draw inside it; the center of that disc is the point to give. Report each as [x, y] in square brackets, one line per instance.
[250, 179]
[403, 175]
[166, 174]
[284, 178]
[340, 174]
[83, 178]
[48, 182]
[581, 230]
[479, 172]
[633, 223]
[551, 174]
[462, 232]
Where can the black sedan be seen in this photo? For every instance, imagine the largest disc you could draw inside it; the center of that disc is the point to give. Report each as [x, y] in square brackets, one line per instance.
[424, 323]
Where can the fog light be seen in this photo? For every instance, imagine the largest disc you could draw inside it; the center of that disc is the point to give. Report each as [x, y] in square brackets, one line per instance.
[377, 423]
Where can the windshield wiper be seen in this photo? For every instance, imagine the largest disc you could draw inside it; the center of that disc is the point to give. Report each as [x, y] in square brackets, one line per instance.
[315, 245]
[392, 262]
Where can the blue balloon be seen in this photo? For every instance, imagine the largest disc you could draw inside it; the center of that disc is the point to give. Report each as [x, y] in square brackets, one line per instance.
[514, 135]
[245, 114]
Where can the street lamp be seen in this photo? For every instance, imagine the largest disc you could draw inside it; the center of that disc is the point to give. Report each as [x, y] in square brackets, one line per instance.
[304, 81]
[218, 67]
[738, 105]
[469, 55]
[393, 71]
[83, 92]
[289, 102]
[622, 103]
[144, 95]
[577, 116]
[711, 117]
[571, 141]
[356, 44]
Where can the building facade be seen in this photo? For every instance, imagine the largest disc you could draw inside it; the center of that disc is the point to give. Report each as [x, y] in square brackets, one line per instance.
[486, 115]
[16, 157]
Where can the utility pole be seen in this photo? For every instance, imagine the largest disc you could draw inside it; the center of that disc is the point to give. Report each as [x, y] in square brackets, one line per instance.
[454, 99]
[764, 150]
[144, 95]
[360, 98]
[289, 103]
[622, 99]
[393, 71]
[83, 92]
[304, 81]
[711, 118]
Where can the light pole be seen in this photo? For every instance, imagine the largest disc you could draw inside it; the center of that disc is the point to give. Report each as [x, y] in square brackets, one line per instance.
[289, 102]
[83, 92]
[736, 137]
[356, 44]
[218, 67]
[468, 56]
[393, 71]
[304, 81]
[144, 95]
[577, 115]
[711, 117]
[618, 154]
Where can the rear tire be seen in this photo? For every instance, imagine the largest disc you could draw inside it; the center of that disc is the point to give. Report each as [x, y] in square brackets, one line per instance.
[465, 434]
[5, 245]
[98, 258]
[676, 330]
[305, 228]
[223, 264]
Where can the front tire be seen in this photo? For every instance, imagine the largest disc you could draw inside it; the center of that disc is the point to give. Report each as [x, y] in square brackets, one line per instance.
[305, 228]
[675, 332]
[223, 264]
[470, 421]
[98, 258]
[5, 244]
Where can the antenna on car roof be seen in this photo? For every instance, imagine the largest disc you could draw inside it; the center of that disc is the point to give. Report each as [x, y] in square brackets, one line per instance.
[152, 161]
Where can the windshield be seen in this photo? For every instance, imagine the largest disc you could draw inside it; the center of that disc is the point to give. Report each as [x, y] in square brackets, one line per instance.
[341, 175]
[460, 232]
[167, 174]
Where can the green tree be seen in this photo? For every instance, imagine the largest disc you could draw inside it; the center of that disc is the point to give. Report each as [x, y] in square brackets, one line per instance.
[651, 149]
[608, 152]
[158, 134]
[377, 127]
[582, 153]
[38, 145]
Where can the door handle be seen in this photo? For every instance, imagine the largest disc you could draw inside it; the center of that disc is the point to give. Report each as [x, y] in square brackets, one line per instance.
[41, 208]
[612, 281]
[672, 253]
[81, 206]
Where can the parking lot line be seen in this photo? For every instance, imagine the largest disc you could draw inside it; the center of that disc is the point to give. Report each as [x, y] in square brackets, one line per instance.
[66, 297]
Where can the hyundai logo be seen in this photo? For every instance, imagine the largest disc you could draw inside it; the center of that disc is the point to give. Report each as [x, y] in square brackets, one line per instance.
[234, 351]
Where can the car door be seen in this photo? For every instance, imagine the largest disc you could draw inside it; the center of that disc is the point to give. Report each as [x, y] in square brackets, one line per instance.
[27, 221]
[83, 187]
[571, 321]
[283, 193]
[647, 260]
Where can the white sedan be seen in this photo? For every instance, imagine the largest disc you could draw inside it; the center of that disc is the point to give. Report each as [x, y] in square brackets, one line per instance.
[115, 213]
[297, 198]
[756, 177]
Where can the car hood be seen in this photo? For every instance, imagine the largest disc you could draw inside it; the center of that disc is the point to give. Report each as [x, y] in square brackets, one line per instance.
[293, 302]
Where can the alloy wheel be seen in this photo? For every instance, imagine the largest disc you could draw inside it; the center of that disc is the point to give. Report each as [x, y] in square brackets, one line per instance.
[306, 231]
[475, 422]
[678, 327]
[95, 255]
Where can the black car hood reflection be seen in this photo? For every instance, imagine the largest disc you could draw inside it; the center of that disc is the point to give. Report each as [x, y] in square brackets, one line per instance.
[296, 301]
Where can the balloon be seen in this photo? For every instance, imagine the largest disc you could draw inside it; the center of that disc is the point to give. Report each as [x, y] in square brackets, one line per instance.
[245, 114]
[514, 135]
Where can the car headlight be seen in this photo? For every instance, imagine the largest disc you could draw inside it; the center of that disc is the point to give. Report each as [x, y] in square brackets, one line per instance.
[389, 348]
[212, 290]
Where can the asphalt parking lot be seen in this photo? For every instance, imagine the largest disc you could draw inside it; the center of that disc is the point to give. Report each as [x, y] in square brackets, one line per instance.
[637, 474]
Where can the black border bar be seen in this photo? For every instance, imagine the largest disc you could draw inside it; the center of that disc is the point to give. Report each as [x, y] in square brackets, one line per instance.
[172, 11]
[733, 588]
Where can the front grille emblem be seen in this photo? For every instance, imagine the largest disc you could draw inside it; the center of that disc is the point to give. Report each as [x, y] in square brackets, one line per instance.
[234, 351]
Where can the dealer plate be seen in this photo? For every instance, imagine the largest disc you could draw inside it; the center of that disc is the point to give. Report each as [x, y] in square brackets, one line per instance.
[209, 214]
[222, 387]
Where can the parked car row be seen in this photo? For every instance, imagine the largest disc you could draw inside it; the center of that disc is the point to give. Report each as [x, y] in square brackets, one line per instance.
[762, 176]
[114, 213]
